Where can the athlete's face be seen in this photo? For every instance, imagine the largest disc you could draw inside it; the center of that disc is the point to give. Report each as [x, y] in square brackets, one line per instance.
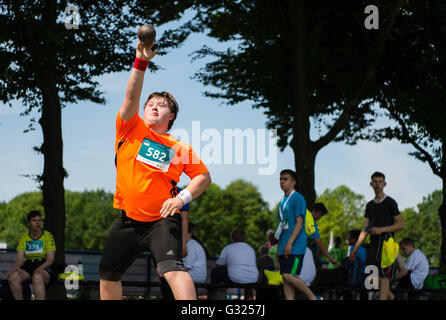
[287, 182]
[35, 223]
[316, 215]
[157, 112]
[407, 250]
[350, 240]
[378, 184]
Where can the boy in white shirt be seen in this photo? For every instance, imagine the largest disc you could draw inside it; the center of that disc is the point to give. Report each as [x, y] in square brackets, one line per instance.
[415, 270]
[237, 263]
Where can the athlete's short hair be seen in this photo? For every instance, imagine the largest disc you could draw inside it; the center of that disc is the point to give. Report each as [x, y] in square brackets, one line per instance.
[238, 235]
[171, 102]
[263, 249]
[32, 214]
[191, 227]
[319, 207]
[378, 174]
[407, 242]
[290, 172]
[354, 234]
[337, 240]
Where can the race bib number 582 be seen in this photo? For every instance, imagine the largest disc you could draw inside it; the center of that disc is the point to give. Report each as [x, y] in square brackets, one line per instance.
[155, 154]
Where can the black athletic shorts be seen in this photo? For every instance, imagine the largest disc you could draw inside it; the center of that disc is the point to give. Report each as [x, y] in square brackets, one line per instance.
[129, 238]
[292, 265]
[405, 282]
[31, 265]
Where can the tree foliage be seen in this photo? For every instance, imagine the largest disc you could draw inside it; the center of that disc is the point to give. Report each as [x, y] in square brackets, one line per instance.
[47, 65]
[414, 94]
[89, 217]
[345, 212]
[422, 226]
[220, 211]
[288, 59]
[13, 216]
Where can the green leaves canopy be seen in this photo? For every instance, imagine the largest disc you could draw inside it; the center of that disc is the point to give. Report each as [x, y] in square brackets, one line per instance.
[89, 217]
[218, 212]
[423, 227]
[345, 212]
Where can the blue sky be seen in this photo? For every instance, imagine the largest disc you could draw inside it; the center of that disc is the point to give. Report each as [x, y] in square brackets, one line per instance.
[89, 131]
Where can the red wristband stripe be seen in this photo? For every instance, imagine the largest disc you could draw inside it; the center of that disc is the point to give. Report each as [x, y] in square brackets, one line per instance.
[140, 64]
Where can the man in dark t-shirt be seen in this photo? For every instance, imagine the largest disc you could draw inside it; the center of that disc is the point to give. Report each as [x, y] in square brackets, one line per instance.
[382, 219]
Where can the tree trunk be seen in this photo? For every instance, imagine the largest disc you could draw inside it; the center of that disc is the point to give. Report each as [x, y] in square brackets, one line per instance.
[304, 153]
[53, 171]
[52, 147]
[304, 149]
[442, 211]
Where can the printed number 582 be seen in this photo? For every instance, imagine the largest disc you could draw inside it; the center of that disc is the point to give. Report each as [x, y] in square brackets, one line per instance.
[156, 154]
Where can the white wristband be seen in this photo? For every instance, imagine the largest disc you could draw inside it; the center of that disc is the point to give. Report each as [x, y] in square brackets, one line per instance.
[185, 196]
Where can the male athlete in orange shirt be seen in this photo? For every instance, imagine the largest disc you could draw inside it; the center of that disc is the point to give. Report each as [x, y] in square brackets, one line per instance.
[149, 163]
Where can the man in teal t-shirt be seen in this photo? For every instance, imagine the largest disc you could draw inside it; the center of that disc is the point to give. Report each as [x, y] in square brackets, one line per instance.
[292, 237]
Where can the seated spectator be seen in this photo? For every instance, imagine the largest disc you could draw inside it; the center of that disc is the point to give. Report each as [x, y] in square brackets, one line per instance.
[272, 245]
[352, 238]
[35, 257]
[195, 260]
[415, 270]
[264, 262]
[236, 263]
[338, 253]
[355, 268]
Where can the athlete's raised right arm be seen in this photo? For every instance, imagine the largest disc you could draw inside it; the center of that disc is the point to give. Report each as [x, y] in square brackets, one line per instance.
[361, 238]
[130, 106]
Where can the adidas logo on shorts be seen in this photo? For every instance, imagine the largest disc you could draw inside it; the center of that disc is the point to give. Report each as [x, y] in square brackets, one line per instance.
[170, 253]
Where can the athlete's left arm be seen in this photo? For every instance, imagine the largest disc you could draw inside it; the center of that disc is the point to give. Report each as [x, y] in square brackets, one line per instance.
[325, 252]
[397, 226]
[294, 234]
[196, 187]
